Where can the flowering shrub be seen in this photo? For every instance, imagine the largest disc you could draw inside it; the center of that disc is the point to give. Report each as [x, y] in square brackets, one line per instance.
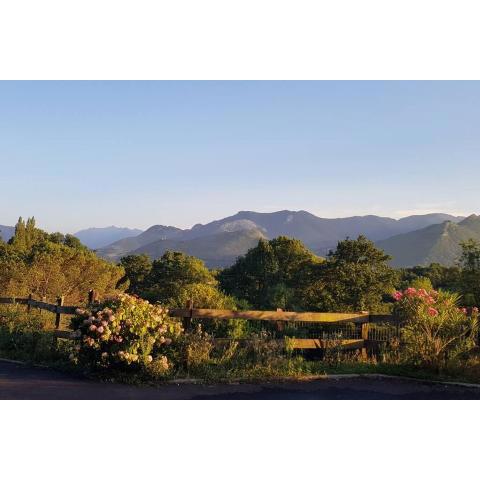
[436, 330]
[124, 331]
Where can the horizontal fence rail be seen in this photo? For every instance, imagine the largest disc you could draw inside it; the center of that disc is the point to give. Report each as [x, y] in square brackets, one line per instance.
[269, 316]
[364, 330]
[61, 309]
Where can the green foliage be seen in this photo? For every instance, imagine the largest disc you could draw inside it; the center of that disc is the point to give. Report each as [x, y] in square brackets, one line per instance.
[171, 273]
[137, 270]
[50, 265]
[437, 331]
[469, 282]
[422, 283]
[440, 276]
[355, 277]
[271, 274]
[122, 332]
[203, 296]
[174, 279]
[28, 336]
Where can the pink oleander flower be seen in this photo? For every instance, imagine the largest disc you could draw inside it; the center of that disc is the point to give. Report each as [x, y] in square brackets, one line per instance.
[464, 310]
[410, 292]
[429, 300]
[433, 312]
[422, 293]
[475, 310]
[397, 296]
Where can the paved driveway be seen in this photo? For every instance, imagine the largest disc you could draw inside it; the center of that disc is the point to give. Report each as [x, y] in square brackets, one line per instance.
[22, 382]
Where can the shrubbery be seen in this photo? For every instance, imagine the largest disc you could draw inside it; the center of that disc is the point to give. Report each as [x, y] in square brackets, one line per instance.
[125, 332]
[436, 330]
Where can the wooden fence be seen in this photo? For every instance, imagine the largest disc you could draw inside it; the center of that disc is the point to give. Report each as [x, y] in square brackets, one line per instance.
[277, 320]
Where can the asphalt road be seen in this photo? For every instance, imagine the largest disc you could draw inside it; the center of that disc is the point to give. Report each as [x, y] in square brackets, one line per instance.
[19, 382]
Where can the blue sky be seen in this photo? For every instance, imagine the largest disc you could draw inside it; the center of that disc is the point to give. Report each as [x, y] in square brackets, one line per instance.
[80, 154]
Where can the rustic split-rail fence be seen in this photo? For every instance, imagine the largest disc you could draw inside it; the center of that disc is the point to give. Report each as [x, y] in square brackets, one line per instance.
[361, 334]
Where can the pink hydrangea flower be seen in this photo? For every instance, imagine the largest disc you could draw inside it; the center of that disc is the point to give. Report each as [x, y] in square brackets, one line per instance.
[92, 328]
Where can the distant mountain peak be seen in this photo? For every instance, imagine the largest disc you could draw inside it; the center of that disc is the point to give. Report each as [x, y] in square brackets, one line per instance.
[438, 243]
[98, 237]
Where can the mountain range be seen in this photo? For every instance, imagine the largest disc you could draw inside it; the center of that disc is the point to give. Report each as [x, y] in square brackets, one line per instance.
[220, 242]
[438, 243]
[100, 237]
[412, 240]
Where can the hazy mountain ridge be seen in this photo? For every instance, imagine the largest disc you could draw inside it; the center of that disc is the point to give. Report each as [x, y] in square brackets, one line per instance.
[433, 244]
[6, 232]
[126, 245]
[100, 237]
[319, 234]
[216, 250]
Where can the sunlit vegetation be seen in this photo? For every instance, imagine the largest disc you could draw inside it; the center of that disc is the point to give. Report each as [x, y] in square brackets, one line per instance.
[53, 265]
[130, 335]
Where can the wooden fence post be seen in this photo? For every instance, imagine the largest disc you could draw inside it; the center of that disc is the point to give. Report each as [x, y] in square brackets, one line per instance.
[58, 315]
[29, 307]
[365, 328]
[187, 321]
[92, 297]
[280, 325]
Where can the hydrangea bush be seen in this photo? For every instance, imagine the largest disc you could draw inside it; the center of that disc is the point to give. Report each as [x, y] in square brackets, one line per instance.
[124, 331]
[436, 330]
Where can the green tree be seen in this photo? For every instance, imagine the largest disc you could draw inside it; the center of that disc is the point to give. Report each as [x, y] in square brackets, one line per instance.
[469, 284]
[355, 277]
[171, 273]
[441, 276]
[137, 269]
[19, 239]
[271, 274]
[73, 242]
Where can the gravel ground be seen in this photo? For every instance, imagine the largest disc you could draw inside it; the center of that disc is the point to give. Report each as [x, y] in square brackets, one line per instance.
[20, 382]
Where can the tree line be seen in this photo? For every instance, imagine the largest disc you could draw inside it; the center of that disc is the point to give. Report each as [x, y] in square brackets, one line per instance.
[48, 265]
[278, 273]
[284, 273]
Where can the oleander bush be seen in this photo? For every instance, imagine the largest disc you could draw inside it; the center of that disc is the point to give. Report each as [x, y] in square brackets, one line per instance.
[437, 332]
